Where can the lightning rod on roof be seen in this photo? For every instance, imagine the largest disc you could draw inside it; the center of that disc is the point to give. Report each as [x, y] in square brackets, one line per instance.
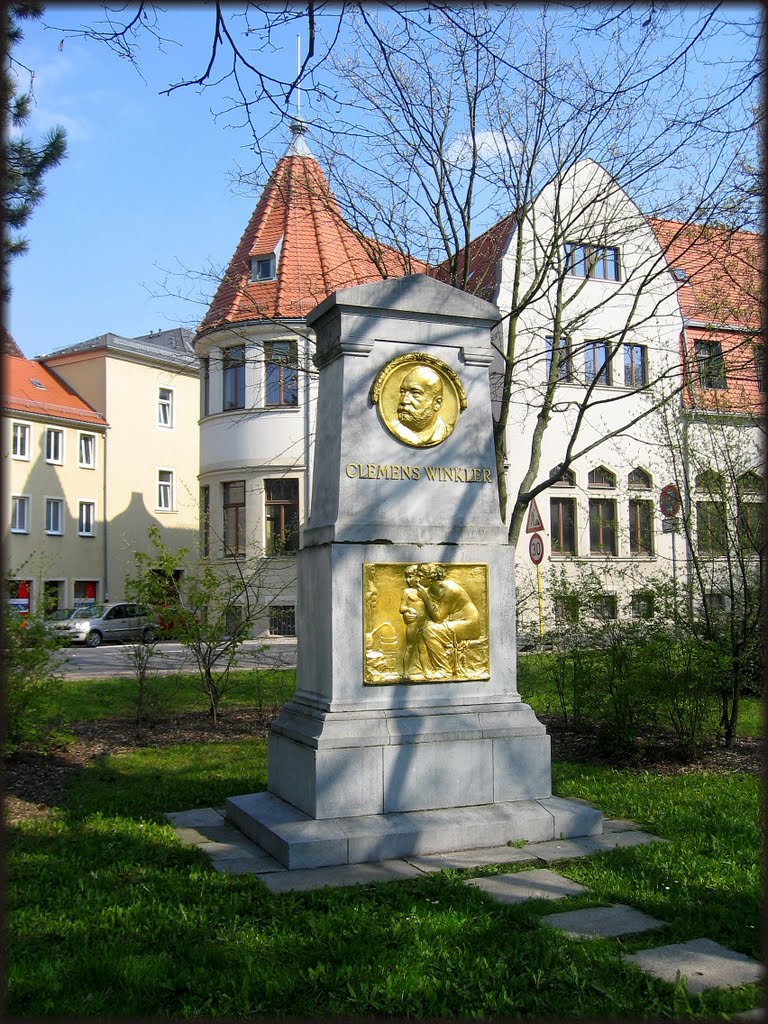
[298, 77]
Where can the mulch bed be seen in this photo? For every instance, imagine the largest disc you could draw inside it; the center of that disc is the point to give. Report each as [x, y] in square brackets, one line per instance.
[35, 782]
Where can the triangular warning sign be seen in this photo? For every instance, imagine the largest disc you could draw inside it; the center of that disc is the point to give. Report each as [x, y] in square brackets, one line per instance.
[534, 523]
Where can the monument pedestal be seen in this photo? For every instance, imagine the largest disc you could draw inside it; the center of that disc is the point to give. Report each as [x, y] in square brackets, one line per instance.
[406, 735]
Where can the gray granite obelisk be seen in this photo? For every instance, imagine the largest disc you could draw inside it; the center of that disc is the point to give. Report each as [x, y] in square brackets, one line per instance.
[406, 734]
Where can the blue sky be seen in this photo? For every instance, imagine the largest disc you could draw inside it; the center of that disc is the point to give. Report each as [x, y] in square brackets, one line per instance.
[144, 189]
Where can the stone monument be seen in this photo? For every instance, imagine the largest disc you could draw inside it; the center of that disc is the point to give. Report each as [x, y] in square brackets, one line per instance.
[406, 734]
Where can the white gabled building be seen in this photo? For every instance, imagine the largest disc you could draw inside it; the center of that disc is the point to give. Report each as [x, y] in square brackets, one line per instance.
[607, 322]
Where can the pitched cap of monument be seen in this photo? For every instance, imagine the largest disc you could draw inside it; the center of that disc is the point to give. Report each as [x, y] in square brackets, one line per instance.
[297, 224]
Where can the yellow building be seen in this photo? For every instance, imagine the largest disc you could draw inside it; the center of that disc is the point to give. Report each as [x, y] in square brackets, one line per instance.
[53, 509]
[148, 389]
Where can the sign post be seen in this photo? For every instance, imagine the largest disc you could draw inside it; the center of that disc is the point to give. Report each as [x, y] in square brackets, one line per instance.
[536, 552]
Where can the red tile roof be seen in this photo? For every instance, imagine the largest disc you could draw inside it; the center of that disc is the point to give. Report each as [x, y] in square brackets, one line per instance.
[721, 302]
[319, 253]
[724, 269]
[485, 254]
[55, 400]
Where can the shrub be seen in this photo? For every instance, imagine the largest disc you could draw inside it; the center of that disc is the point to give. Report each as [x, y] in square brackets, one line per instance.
[30, 672]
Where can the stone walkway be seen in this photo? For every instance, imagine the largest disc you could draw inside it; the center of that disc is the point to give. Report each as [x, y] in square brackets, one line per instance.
[702, 962]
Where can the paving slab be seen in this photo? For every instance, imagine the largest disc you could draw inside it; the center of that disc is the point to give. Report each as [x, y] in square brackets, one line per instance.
[540, 884]
[339, 876]
[620, 825]
[201, 816]
[463, 859]
[601, 922]
[564, 849]
[704, 963]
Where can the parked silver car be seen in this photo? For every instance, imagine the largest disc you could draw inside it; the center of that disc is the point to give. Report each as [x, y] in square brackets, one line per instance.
[92, 624]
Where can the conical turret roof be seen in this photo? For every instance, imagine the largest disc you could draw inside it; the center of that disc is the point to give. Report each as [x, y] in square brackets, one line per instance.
[298, 222]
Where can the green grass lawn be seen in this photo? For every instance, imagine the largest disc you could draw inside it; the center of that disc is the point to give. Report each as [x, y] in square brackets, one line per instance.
[109, 915]
[89, 699]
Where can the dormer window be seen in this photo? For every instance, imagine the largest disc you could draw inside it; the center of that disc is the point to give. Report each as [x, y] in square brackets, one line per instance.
[680, 275]
[264, 268]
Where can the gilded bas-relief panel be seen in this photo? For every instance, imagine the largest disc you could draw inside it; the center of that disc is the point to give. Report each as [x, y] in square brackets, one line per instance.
[425, 622]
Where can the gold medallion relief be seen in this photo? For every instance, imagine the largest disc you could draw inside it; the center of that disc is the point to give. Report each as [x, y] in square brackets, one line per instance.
[425, 622]
[419, 398]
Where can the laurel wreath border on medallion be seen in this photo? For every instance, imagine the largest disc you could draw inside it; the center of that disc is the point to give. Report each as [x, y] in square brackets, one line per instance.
[421, 358]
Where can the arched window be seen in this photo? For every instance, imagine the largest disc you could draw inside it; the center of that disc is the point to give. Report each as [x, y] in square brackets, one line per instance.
[710, 482]
[639, 479]
[568, 479]
[750, 483]
[602, 477]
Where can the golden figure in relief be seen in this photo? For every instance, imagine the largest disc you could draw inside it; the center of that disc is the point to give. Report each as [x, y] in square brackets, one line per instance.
[419, 398]
[425, 622]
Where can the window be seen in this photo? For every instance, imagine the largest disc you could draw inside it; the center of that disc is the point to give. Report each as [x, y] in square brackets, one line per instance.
[635, 366]
[602, 477]
[751, 525]
[597, 364]
[263, 268]
[86, 517]
[639, 480]
[205, 395]
[568, 479]
[717, 603]
[86, 592]
[709, 359]
[680, 275]
[234, 377]
[53, 595]
[282, 384]
[640, 527]
[19, 514]
[563, 353]
[761, 365]
[602, 526]
[605, 607]
[166, 497]
[54, 446]
[281, 513]
[20, 446]
[54, 516]
[233, 501]
[711, 531]
[562, 524]
[282, 620]
[643, 604]
[88, 451]
[165, 407]
[566, 608]
[598, 261]
[205, 521]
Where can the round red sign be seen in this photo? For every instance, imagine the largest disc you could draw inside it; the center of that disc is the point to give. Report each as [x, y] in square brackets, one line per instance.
[669, 500]
[536, 548]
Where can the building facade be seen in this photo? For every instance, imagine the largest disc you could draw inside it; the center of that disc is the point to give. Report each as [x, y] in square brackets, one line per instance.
[53, 509]
[143, 397]
[607, 344]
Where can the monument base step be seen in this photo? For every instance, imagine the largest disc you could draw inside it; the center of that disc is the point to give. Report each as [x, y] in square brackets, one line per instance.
[298, 841]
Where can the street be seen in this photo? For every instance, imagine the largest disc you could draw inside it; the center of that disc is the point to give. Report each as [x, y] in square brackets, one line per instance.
[80, 662]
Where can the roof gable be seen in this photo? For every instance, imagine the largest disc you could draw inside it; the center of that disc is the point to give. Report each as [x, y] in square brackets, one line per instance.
[49, 397]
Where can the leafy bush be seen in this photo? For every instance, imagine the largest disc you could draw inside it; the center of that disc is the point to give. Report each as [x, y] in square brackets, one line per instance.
[30, 673]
